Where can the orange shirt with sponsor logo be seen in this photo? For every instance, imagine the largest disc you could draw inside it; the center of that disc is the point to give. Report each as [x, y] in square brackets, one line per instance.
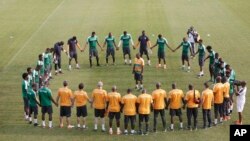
[226, 89]
[65, 95]
[190, 98]
[207, 98]
[114, 100]
[158, 97]
[81, 98]
[99, 98]
[144, 101]
[139, 63]
[175, 97]
[218, 93]
[129, 102]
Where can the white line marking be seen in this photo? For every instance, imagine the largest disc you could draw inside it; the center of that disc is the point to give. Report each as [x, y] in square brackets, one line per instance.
[32, 36]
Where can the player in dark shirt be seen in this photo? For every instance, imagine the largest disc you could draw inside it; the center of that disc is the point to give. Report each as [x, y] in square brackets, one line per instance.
[144, 42]
[72, 44]
[58, 47]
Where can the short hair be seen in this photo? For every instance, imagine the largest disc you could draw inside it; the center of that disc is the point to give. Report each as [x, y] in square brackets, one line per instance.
[159, 36]
[74, 37]
[24, 75]
[209, 47]
[28, 69]
[81, 86]
[124, 32]
[129, 90]
[93, 33]
[99, 84]
[61, 43]
[40, 55]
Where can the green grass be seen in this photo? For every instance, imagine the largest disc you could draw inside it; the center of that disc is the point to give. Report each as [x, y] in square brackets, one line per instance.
[36, 25]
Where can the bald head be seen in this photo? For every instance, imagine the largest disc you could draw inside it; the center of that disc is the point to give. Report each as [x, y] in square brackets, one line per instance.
[158, 85]
[100, 84]
[65, 83]
[190, 87]
[114, 88]
[174, 86]
[218, 79]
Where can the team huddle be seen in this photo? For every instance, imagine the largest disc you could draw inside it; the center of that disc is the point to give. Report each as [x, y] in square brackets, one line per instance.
[35, 85]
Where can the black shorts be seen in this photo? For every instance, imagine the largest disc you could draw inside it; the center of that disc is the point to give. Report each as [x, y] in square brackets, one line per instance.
[110, 51]
[33, 110]
[73, 55]
[26, 102]
[159, 111]
[138, 76]
[143, 51]
[117, 115]
[47, 109]
[126, 50]
[81, 111]
[175, 112]
[201, 60]
[185, 57]
[131, 118]
[99, 113]
[218, 108]
[143, 117]
[161, 55]
[93, 53]
[65, 111]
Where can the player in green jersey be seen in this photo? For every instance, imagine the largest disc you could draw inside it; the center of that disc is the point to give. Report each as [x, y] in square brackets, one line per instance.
[211, 57]
[92, 41]
[46, 99]
[186, 46]
[202, 52]
[125, 40]
[25, 86]
[47, 63]
[161, 42]
[40, 63]
[230, 74]
[36, 77]
[30, 78]
[33, 102]
[110, 41]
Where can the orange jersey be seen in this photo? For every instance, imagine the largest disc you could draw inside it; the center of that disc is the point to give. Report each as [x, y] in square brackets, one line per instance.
[190, 98]
[175, 97]
[139, 63]
[99, 98]
[65, 95]
[114, 100]
[158, 97]
[218, 93]
[207, 98]
[81, 98]
[226, 89]
[144, 101]
[129, 102]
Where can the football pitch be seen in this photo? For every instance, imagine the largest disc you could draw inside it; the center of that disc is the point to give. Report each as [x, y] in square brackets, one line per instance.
[27, 27]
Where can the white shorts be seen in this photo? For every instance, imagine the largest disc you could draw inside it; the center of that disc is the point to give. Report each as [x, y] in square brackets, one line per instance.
[240, 107]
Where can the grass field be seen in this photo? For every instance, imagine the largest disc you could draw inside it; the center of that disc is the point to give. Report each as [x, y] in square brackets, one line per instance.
[28, 27]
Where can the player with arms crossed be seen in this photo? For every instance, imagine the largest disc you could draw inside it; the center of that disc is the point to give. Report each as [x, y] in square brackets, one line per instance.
[138, 71]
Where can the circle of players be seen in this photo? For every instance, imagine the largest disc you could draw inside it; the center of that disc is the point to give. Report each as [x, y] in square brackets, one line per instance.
[35, 84]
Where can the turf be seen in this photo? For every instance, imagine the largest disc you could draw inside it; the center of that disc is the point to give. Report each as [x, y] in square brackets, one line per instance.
[28, 27]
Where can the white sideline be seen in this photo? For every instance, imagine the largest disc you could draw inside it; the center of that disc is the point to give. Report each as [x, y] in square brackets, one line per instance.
[32, 36]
